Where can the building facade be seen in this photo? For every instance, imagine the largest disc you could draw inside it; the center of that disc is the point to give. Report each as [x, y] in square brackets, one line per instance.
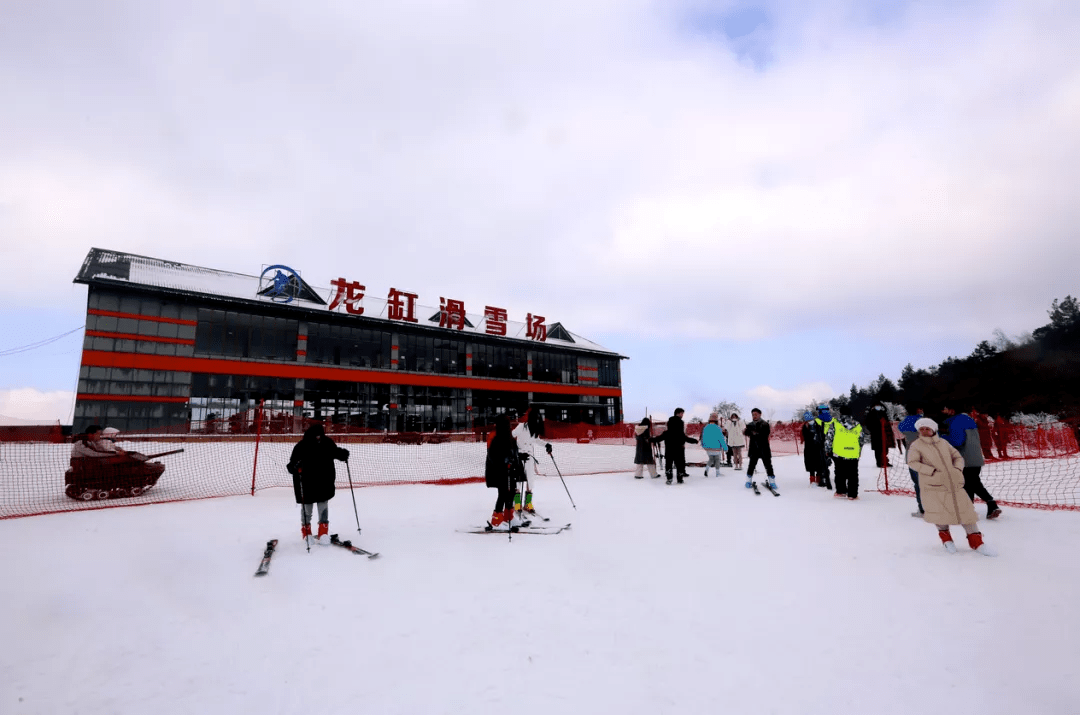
[179, 347]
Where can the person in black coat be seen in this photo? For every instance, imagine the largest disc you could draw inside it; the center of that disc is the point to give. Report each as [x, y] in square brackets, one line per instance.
[643, 453]
[880, 430]
[675, 440]
[312, 468]
[503, 470]
[757, 438]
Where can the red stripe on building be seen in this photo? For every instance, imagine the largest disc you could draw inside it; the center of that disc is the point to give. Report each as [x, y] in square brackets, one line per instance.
[586, 367]
[301, 352]
[143, 338]
[128, 398]
[301, 337]
[135, 316]
[297, 403]
[221, 366]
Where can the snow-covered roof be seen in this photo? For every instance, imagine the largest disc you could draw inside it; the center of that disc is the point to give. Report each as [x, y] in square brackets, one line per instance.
[113, 268]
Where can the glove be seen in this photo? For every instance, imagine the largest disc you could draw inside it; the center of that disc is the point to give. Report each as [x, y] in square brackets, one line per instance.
[691, 440]
[524, 457]
[343, 454]
[547, 447]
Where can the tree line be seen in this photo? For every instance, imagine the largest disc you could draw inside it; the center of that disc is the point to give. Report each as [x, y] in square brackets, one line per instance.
[1036, 373]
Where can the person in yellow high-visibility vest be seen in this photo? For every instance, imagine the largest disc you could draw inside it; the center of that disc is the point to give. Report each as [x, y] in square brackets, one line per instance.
[844, 441]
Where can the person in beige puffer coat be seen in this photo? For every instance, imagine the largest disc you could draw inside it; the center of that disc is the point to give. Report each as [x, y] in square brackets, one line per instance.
[941, 481]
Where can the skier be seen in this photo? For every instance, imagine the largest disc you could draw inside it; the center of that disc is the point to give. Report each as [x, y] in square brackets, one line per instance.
[843, 442]
[526, 433]
[675, 441]
[501, 471]
[312, 468]
[643, 452]
[757, 433]
[940, 472]
[712, 439]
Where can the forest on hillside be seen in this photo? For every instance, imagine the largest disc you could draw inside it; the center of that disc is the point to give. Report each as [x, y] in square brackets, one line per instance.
[1038, 373]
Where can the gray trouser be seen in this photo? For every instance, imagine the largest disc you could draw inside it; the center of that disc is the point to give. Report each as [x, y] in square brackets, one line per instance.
[968, 528]
[716, 459]
[324, 513]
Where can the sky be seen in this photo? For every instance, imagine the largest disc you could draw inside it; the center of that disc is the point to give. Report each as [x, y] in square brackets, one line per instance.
[755, 202]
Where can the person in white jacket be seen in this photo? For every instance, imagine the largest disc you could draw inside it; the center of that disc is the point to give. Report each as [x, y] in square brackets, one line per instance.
[735, 439]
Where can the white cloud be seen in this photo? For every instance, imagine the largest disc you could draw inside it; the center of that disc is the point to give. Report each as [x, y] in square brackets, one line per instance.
[28, 405]
[545, 156]
[780, 404]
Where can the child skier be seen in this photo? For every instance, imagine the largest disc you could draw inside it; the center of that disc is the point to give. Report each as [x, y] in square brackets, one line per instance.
[312, 468]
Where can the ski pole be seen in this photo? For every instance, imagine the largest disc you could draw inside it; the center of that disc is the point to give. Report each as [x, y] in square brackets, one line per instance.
[353, 493]
[548, 448]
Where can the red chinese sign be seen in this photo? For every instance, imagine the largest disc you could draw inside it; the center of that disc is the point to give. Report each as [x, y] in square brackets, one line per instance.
[495, 318]
[349, 294]
[535, 328]
[401, 310]
[451, 314]
[401, 306]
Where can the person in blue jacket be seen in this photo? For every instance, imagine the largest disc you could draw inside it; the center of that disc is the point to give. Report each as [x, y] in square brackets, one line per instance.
[962, 432]
[712, 440]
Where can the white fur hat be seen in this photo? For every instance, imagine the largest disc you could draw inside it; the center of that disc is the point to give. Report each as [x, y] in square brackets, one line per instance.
[110, 432]
[925, 422]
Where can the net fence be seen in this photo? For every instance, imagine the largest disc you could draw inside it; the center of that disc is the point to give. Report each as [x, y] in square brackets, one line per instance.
[1026, 466]
[1041, 466]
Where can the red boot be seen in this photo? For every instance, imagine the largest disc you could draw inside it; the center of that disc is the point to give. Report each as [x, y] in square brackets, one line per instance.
[305, 532]
[946, 539]
[324, 534]
[496, 519]
[976, 543]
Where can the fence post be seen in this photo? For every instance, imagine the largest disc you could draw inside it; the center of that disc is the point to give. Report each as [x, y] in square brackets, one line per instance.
[885, 425]
[258, 438]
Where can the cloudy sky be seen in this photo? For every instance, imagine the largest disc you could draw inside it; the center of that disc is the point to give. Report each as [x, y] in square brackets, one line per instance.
[758, 202]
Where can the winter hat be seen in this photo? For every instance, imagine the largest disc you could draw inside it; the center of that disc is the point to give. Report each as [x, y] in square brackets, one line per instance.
[807, 417]
[714, 417]
[925, 422]
[644, 422]
[110, 432]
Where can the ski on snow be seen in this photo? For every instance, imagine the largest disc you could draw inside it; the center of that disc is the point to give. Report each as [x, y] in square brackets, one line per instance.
[771, 489]
[753, 485]
[539, 530]
[335, 541]
[264, 565]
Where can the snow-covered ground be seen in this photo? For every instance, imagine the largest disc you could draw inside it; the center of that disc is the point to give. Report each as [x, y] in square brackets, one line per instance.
[699, 598]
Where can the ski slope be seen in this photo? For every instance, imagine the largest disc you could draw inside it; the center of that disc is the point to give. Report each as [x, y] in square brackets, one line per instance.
[660, 599]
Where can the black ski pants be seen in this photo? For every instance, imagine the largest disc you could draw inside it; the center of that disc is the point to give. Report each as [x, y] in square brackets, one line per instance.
[766, 459]
[974, 487]
[676, 458]
[847, 476]
[505, 500]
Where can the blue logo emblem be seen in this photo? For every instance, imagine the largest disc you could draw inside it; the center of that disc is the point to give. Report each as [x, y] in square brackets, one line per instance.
[282, 284]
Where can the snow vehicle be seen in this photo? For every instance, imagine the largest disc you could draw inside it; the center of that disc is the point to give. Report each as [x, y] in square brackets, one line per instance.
[113, 477]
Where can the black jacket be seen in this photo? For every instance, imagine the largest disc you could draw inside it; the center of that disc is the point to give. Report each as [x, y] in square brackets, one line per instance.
[757, 434]
[675, 438]
[643, 454]
[503, 466]
[312, 467]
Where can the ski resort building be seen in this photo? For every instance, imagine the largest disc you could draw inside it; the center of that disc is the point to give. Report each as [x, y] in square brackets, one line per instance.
[176, 346]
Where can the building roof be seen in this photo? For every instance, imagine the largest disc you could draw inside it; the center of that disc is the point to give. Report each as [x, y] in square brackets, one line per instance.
[280, 285]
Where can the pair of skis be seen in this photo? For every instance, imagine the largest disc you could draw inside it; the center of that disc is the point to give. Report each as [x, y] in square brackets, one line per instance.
[754, 486]
[271, 547]
[540, 530]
